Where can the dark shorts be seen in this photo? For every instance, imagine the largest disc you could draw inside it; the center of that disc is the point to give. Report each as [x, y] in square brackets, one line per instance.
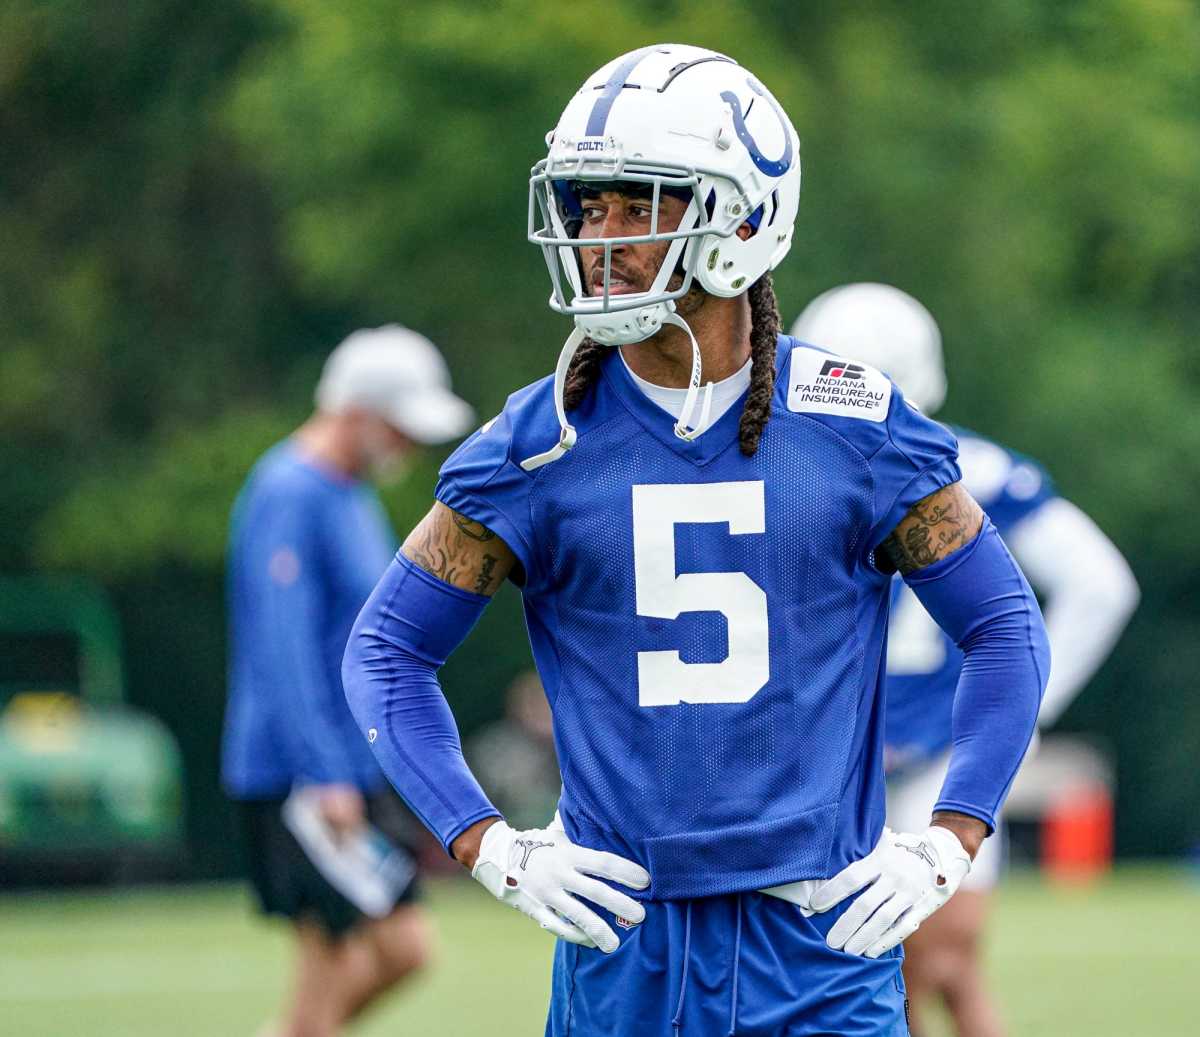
[288, 883]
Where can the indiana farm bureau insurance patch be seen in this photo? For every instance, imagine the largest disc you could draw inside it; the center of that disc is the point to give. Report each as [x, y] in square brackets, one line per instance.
[824, 384]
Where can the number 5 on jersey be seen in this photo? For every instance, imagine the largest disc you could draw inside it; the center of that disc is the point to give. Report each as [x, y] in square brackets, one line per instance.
[663, 678]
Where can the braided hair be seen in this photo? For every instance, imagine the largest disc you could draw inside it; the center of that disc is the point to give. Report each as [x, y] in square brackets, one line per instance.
[764, 330]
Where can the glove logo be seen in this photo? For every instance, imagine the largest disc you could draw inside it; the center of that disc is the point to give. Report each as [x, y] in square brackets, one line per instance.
[922, 851]
[529, 845]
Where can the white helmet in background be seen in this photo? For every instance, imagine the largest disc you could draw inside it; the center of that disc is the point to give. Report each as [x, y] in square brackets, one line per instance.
[669, 118]
[885, 327]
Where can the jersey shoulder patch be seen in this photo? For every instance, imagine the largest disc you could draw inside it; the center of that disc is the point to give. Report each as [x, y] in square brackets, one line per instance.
[825, 383]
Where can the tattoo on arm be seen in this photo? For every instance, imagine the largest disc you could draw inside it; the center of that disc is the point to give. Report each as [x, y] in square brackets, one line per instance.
[475, 530]
[933, 529]
[484, 579]
[459, 550]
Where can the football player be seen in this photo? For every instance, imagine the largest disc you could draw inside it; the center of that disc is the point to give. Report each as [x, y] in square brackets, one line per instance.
[703, 517]
[309, 540]
[1088, 594]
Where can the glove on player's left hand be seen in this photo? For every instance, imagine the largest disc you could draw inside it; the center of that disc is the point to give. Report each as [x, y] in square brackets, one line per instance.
[906, 879]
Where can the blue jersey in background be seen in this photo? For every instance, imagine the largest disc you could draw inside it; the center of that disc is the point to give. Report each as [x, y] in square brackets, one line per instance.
[306, 549]
[710, 627]
[922, 662]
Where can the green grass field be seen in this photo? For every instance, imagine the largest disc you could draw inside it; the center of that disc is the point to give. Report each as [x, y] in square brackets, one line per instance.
[1115, 960]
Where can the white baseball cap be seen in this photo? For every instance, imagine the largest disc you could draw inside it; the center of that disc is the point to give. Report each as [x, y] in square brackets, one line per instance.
[399, 375]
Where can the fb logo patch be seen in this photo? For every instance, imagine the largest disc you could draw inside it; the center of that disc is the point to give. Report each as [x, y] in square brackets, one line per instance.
[821, 384]
[624, 923]
[841, 369]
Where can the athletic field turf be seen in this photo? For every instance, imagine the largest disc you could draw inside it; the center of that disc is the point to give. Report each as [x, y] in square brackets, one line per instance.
[1115, 960]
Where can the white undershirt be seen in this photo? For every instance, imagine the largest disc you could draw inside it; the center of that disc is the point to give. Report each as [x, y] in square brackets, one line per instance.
[725, 392]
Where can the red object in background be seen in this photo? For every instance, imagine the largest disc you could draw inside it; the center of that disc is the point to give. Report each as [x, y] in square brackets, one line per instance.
[1077, 835]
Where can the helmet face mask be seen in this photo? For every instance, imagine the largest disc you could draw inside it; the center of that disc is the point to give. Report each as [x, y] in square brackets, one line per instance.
[559, 235]
[669, 120]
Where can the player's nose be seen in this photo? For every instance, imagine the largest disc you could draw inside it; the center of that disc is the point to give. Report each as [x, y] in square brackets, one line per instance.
[616, 225]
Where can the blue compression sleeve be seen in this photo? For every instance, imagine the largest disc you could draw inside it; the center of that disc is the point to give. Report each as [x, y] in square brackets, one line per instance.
[980, 598]
[406, 630]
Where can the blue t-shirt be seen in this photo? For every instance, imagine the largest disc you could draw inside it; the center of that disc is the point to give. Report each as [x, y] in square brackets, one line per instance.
[710, 627]
[306, 549]
[922, 662]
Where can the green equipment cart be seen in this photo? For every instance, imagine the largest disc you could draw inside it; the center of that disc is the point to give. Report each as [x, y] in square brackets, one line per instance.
[89, 786]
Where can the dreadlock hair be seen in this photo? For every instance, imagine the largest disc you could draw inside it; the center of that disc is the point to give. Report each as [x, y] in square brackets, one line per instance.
[764, 333]
[764, 330]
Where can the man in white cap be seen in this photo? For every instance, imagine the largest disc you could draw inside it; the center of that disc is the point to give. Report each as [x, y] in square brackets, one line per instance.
[309, 540]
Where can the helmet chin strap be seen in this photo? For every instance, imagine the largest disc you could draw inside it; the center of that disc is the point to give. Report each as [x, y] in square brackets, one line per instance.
[689, 401]
[567, 434]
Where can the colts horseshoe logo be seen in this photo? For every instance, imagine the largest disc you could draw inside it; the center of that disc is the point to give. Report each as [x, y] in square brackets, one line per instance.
[772, 168]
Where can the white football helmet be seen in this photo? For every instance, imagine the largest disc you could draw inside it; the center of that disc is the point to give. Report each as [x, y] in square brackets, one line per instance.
[676, 119]
[885, 327]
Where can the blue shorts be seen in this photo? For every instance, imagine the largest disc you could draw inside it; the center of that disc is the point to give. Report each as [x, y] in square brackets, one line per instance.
[746, 964]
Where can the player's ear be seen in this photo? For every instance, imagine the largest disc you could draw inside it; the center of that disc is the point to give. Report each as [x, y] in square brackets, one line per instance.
[744, 231]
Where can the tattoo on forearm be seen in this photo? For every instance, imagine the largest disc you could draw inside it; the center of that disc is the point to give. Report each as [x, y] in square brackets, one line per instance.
[448, 545]
[933, 529]
[475, 530]
[484, 579]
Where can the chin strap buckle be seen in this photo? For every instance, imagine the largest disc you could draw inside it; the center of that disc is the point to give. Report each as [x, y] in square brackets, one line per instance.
[566, 440]
[689, 402]
[566, 435]
[690, 435]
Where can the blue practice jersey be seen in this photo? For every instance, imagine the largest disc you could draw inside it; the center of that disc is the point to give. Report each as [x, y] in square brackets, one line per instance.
[922, 662]
[710, 627]
[306, 549]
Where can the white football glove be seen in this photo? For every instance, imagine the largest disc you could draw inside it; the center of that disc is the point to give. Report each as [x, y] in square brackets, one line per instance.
[538, 870]
[907, 878]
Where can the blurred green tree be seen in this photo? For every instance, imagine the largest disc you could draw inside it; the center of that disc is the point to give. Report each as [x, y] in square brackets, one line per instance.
[147, 326]
[197, 200]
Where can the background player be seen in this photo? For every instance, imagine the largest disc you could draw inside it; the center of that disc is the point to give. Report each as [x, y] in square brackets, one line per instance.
[1088, 593]
[309, 540]
[705, 576]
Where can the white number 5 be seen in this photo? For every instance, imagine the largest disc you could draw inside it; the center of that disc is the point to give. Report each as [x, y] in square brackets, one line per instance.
[663, 678]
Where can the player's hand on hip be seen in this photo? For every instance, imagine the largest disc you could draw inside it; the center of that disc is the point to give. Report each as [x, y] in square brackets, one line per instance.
[543, 874]
[902, 881]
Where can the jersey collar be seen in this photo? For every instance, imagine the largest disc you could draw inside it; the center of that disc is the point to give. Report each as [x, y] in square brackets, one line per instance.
[713, 442]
